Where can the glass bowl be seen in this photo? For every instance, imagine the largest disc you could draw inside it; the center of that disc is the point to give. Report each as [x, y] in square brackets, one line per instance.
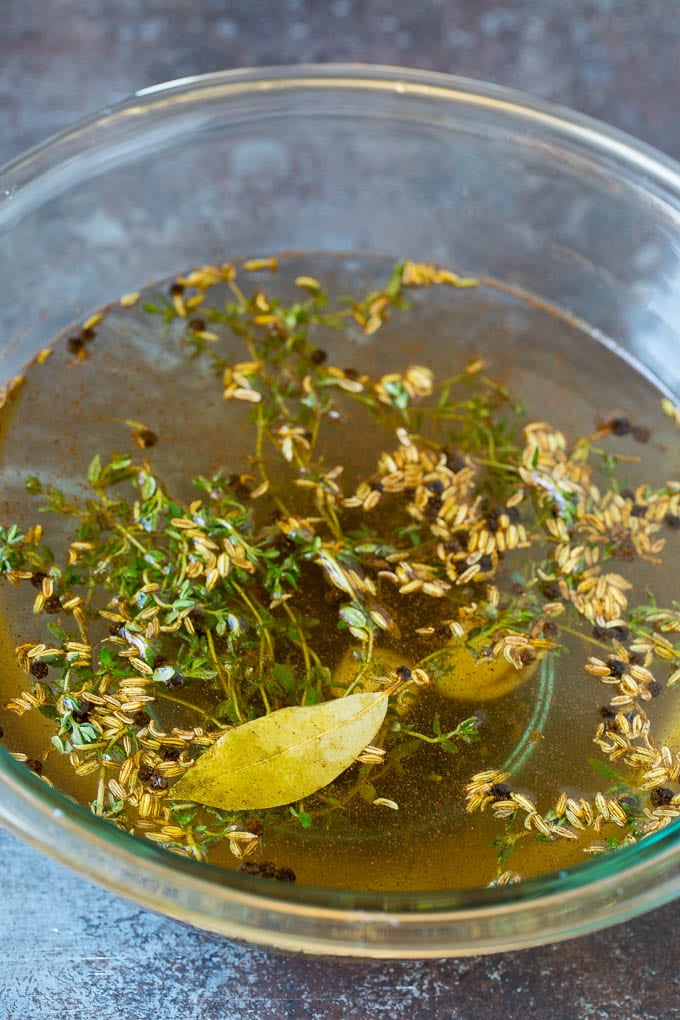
[344, 159]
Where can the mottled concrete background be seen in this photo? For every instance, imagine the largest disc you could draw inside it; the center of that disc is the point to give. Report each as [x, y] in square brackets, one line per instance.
[615, 59]
[71, 951]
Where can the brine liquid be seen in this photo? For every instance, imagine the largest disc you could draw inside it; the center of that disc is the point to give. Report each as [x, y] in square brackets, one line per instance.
[138, 370]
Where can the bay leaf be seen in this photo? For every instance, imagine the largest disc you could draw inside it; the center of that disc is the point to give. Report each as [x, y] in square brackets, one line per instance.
[285, 756]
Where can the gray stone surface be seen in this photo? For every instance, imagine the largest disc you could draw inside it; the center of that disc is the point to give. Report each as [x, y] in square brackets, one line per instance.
[615, 59]
[71, 951]
[68, 949]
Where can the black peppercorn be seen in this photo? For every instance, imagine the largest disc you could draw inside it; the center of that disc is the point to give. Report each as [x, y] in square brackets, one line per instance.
[318, 356]
[618, 633]
[641, 434]
[52, 604]
[145, 772]
[403, 673]
[145, 438]
[75, 344]
[81, 711]
[141, 718]
[267, 869]
[38, 578]
[249, 868]
[39, 669]
[432, 508]
[35, 765]
[175, 682]
[454, 461]
[620, 426]
[661, 796]
[157, 782]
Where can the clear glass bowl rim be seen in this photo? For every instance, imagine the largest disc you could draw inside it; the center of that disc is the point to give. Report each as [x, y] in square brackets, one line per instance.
[628, 882]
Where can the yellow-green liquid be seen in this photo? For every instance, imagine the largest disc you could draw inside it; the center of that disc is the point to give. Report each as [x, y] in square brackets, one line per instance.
[69, 411]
